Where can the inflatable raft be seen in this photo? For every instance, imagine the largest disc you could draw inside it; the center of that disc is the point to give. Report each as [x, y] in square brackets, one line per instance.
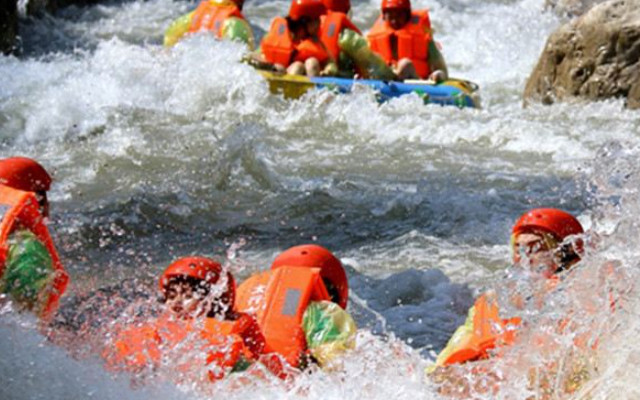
[455, 92]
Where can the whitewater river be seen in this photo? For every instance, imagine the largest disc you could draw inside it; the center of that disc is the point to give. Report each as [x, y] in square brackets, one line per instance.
[162, 153]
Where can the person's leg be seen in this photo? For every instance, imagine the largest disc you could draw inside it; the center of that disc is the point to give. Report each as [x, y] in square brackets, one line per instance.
[405, 70]
[437, 64]
[312, 66]
[279, 69]
[296, 68]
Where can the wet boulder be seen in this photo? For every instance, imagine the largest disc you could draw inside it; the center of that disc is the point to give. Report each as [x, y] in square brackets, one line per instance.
[594, 57]
[8, 25]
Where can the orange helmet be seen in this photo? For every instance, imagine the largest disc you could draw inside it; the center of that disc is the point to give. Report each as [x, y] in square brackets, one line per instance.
[551, 220]
[24, 174]
[200, 268]
[306, 8]
[401, 4]
[342, 6]
[314, 256]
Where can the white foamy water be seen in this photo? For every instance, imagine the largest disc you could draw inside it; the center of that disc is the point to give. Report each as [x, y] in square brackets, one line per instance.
[158, 153]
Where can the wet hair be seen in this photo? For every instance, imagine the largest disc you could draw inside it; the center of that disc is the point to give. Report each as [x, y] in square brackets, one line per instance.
[334, 293]
[43, 202]
[198, 285]
[566, 256]
[407, 13]
[296, 26]
[218, 306]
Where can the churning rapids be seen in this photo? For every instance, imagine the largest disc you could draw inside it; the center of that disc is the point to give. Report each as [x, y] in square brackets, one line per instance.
[162, 153]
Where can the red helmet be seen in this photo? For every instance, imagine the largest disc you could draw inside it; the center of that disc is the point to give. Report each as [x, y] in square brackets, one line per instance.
[551, 220]
[342, 6]
[199, 268]
[314, 256]
[401, 4]
[24, 174]
[306, 8]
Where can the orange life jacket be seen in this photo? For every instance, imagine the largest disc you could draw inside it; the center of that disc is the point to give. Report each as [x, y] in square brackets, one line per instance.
[279, 47]
[331, 25]
[224, 342]
[20, 210]
[210, 16]
[489, 330]
[247, 328]
[279, 299]
[249, 346]
[413, 41]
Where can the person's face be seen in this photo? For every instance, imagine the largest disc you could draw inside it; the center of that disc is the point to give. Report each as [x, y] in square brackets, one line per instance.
[533, 250]
[184, 300]
[396, 17]
[312, 26]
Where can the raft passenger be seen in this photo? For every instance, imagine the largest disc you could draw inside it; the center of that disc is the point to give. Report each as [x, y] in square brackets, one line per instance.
[300, 307]
[537, 242]
[404, 39]
[336, 31]
[198, 319]
[221, 17]
[293, 43]
[347, 45]
[30, 269]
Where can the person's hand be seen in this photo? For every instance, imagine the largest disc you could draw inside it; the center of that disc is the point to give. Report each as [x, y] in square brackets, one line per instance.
[330, 70]
[437, 76]
[257, 60]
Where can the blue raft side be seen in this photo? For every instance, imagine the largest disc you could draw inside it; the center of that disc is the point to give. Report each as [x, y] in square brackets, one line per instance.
[438, 94]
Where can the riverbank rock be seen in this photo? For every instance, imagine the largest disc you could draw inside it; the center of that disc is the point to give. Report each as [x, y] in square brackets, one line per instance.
[8, 25]
[594, 57]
